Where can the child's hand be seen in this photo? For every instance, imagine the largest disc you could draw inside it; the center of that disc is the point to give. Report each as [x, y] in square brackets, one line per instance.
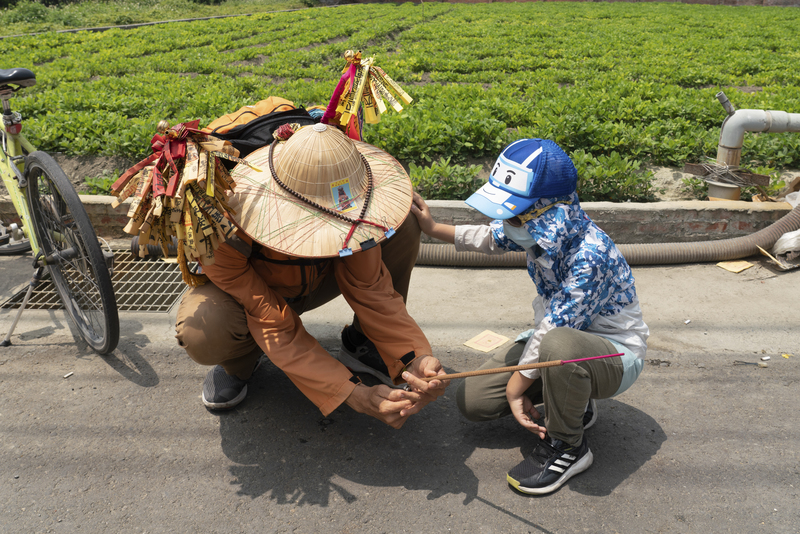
[526, 415]
[420, 209]
[443, 232]
[521, 405]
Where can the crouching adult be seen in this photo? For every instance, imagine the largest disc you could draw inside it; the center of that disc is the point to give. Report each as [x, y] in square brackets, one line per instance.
[318, 216]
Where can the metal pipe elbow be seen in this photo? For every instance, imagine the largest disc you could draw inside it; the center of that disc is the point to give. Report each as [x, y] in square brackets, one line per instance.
[731, 135]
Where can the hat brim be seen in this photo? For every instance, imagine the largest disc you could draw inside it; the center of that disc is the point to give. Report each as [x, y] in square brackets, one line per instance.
[275, 218]
[497, 203]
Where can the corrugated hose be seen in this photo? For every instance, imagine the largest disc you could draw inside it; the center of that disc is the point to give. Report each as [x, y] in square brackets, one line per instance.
[635, 254]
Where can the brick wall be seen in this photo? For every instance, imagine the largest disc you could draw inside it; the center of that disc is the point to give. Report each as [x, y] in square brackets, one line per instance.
[626, 222]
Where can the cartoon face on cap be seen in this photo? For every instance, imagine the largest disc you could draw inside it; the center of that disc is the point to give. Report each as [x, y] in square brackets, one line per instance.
[516, 176]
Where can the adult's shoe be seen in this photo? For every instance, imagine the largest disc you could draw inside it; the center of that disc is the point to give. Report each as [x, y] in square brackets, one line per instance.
[360, 355]
[222, 391]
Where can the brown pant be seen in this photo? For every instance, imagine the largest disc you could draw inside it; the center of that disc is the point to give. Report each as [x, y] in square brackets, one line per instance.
[565, 390]
[233, 347]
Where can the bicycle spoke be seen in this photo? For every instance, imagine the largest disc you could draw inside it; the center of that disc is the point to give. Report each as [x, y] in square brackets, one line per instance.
[73, 255]
[75, 272]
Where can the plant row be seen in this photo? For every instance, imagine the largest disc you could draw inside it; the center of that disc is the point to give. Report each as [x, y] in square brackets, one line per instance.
[619, 86]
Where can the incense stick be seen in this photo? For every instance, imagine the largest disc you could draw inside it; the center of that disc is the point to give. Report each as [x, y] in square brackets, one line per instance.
[538, 365]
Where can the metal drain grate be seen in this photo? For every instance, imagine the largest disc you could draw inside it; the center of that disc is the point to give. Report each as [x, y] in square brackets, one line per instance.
[146, 284]
[149, 285]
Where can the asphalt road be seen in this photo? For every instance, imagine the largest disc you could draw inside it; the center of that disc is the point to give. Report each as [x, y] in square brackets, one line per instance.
[124, 444]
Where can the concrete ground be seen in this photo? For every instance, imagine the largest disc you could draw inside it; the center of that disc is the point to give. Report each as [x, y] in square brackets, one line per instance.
[124, 444]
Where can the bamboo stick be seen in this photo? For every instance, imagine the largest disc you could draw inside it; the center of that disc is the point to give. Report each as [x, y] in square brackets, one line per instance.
[511, 369]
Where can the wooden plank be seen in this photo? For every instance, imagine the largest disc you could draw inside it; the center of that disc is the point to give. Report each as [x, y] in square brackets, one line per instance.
[754, 179]
[698, 169]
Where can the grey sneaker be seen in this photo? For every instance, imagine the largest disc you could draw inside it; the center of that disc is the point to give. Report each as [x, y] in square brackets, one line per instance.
[364, 358]
[222, 391]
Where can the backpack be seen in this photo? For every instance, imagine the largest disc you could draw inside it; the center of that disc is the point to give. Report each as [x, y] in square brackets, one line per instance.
[251, 127]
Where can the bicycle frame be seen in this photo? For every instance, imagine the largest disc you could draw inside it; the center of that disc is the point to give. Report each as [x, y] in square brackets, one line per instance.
[57, 227]
[12, 168]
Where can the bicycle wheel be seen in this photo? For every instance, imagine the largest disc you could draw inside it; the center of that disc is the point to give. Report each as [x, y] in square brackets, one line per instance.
[74, 256]
[12, 244]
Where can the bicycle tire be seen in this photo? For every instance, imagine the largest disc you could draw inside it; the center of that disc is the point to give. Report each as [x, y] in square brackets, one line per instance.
[62, 226]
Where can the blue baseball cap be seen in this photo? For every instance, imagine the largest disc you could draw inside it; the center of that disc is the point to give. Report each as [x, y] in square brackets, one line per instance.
[527, 170]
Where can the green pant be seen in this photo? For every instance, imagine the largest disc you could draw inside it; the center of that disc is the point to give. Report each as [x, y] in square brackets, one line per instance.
[565, 390]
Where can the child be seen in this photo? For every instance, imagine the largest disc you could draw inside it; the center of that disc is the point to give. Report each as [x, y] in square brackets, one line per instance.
[586, 306]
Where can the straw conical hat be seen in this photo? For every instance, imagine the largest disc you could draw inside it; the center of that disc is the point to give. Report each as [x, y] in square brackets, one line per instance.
[327, 168]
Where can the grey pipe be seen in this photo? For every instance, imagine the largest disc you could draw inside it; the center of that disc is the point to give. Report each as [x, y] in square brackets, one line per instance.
[705, 251]
[731, 135]
[445, 255]
[636, 254]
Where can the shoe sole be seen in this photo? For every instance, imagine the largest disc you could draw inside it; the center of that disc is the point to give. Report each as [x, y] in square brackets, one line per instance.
[579, 467]
[357, 367]
[228, 404]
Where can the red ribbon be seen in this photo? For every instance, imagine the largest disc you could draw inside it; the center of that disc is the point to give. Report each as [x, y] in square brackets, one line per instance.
[353, 229]
[330, 111]
[119, 185]
[167, 149]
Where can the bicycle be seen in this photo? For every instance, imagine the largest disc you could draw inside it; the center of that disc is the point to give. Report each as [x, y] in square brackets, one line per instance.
[56, 228]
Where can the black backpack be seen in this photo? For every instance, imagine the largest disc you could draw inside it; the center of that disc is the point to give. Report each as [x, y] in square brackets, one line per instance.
[258, 132]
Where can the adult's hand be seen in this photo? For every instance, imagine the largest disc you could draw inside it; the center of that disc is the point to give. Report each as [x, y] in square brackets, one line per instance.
[424, 392]
[395, 406]
[382, 402]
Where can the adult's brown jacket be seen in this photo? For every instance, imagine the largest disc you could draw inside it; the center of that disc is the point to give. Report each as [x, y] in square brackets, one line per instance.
[263, 283]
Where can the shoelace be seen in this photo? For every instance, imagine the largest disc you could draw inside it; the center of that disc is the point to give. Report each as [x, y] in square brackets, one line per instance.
[544, 451]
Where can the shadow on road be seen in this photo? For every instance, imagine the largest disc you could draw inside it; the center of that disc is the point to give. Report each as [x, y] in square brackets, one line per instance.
[286, 450]
[127, 358]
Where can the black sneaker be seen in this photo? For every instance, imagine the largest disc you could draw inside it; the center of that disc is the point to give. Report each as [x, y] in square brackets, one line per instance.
[549, 467]
[363, 358]
[590, 415]
[222, 391]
